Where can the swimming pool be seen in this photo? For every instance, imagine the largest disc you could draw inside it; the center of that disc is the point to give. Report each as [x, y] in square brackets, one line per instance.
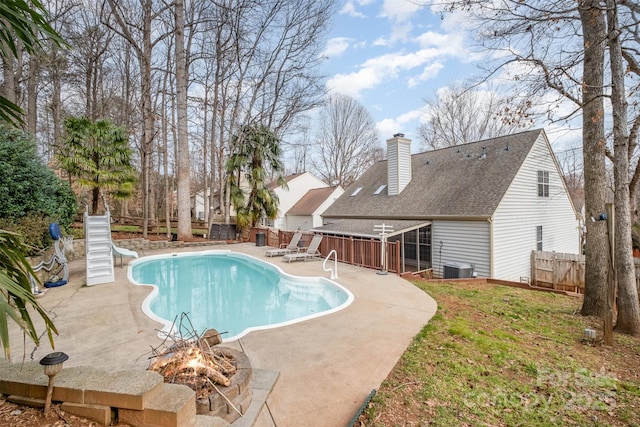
[231, 292]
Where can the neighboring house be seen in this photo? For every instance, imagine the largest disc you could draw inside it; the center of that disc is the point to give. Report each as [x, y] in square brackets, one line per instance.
[198, 201]
[307, 212]
[297, 186]
[198, 205]
[479, 208]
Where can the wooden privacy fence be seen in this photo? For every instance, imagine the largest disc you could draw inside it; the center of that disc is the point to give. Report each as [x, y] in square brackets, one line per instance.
[563, 271]
[364, 252]
[555, 270]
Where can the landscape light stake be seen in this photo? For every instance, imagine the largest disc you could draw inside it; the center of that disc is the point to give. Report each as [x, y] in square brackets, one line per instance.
[52, 363]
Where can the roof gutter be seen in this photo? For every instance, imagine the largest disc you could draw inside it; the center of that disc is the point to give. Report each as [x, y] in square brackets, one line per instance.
[415, 217]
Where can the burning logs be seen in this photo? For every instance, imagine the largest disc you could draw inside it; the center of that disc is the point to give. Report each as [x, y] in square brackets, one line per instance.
[195, 364]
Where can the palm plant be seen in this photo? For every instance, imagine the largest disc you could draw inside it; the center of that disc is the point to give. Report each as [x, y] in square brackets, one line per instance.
[256, 151]
[21, 23]
[98, 155]
[17, 297]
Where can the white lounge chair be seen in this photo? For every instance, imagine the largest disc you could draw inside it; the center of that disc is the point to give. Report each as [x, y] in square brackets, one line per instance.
[292, 247]
[123, 252]
[312, 251]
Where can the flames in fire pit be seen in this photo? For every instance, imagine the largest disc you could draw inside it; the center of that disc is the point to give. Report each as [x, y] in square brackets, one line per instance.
[196, 364]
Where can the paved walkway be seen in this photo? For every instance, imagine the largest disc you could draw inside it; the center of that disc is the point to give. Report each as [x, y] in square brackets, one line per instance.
[328, 366]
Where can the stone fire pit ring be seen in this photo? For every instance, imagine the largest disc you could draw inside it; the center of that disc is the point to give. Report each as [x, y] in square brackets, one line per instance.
[238, 394]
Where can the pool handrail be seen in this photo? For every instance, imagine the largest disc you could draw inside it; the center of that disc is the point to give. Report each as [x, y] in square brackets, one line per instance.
[334, 270]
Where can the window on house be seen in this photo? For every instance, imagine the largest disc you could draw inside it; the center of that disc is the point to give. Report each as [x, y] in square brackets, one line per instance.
[539, 238]
[356, 191]
[379, 190]
[543, 184]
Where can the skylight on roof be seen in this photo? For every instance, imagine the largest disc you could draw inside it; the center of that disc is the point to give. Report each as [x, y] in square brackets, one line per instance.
[379, 190]
[357, 190]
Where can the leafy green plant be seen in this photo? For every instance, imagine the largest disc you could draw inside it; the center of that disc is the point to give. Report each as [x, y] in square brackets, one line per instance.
[256, 151]
[33, 230]
[28, 188]
[16, 295]
[97, 153]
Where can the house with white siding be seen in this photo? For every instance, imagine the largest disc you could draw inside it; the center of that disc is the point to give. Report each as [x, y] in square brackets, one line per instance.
[476, 209]
[297, 186]
[307, 212]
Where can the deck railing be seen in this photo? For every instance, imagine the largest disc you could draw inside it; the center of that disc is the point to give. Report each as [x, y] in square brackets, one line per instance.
[364, 252]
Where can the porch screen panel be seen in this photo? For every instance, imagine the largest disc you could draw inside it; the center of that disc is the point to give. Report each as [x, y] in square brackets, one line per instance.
[424, 239]
[410, 246]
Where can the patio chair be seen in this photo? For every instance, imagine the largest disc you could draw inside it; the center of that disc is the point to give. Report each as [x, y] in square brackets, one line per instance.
[284, 248]
[312, 251]
[123, 252]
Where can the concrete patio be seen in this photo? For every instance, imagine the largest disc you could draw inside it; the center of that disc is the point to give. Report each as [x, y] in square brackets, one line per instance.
[327, 366]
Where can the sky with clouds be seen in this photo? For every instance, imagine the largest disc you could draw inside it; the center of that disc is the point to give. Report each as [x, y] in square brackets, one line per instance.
[391, 55]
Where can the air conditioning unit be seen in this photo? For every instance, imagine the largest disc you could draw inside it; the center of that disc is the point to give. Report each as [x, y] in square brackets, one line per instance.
[455, 270]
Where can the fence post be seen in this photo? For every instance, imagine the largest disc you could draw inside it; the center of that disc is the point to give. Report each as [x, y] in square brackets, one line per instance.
[534, 267]
[554, 277]
[398, 272]
[351, 251]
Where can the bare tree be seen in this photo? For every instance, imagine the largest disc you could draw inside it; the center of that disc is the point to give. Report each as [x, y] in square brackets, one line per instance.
[182, 144]
[628, 306]
[347, 141]
[459, 115]
[138, 33]
[263, 72]
[593, 152]
[258, 62]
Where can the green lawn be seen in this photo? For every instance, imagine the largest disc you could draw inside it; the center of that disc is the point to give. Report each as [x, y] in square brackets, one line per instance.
[501, 356]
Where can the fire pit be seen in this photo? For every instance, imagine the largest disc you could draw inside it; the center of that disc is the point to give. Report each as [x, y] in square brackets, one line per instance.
[220, 376]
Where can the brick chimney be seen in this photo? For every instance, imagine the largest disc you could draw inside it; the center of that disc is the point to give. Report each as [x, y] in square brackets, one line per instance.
[398, 164]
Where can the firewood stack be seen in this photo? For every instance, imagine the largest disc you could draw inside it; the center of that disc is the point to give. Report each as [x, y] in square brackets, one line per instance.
[197, 364]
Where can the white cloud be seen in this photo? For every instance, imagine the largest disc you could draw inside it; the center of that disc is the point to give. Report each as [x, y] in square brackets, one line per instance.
[336, 47]
[389, 126]
[354, 83]
[350, 9]
[399, 11]
[381, 41]
[429, 72]
[401, 32]
[451, 42]
[380, 69]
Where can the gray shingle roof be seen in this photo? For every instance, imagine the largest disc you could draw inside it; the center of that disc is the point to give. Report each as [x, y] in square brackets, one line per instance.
[451, 182]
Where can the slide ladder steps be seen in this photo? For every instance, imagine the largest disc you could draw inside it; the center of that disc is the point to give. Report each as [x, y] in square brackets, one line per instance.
[99, 258]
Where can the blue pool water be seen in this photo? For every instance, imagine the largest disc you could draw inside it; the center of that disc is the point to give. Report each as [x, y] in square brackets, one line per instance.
[232, 292]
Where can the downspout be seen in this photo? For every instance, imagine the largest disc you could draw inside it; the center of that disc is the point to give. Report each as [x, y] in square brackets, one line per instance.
[491, 275]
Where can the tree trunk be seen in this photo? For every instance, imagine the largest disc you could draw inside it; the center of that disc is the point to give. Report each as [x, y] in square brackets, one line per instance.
[168, 205]
[147, 113]
[182, 159]
[594, 34]
[32, 97]
[628, 308]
